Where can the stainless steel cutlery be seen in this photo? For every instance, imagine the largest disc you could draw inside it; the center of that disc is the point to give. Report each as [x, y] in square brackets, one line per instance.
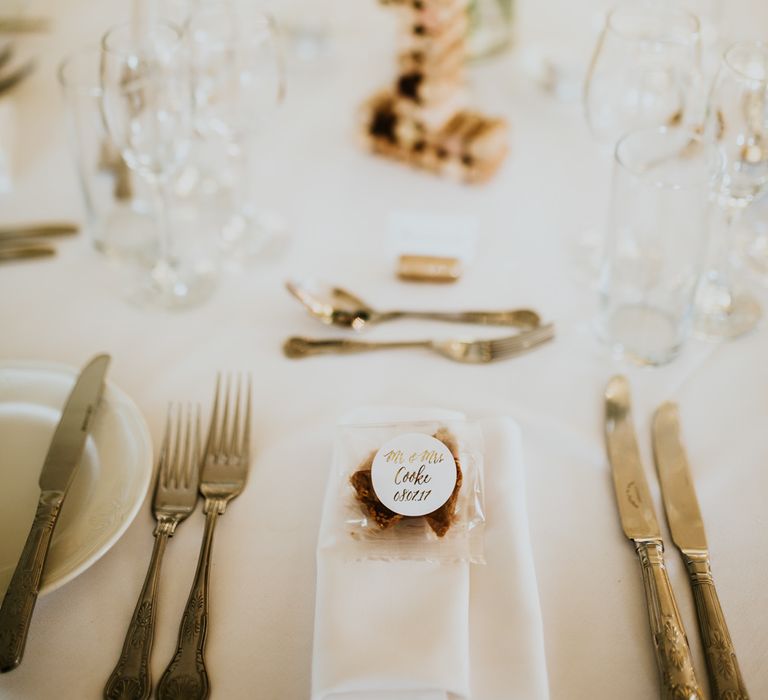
[687, 527]
[224, 473]
[673, 655]
[175, 497]
[24, 251]
[639, 522]
[478, 351]
[339, 307]
[25, 232]
[58, 471]
[25, 241]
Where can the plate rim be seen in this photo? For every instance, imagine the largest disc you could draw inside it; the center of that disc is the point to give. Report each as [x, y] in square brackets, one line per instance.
[148, 459]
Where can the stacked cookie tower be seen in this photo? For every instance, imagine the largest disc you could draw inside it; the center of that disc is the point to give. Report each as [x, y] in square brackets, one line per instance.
[422, 120]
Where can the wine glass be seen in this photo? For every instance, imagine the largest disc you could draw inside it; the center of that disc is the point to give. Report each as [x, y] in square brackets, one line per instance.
[738, 122]
[147, 109]
[644, 73]
[238, 78]
[643, 70]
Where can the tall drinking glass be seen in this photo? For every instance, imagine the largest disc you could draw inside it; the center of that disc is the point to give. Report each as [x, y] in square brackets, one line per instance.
[656, 240]
[147, 107]
[116, 214]
[239, 80]
[644, 73]
[738, 123]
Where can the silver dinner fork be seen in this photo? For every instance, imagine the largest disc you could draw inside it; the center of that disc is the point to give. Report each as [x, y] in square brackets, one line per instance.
[225, 469]
[174, 499]
[470, 351]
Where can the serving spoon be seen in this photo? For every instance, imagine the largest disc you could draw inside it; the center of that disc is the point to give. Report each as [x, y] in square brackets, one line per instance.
[339, 307]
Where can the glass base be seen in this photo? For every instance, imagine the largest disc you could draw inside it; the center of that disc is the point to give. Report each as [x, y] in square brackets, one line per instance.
[642, 334]
[757, 256]
[723, 312]
[254, 236]
[126, 234]
[174, 288]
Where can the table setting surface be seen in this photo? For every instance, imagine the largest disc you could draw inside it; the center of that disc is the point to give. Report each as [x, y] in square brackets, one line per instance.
[337, 200]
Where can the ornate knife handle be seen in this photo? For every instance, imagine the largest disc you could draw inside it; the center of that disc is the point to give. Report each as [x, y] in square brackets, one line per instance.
[186, 676]
[521, 318]
[131, 679]
[21, 596]
[673, 656]
[722, 666]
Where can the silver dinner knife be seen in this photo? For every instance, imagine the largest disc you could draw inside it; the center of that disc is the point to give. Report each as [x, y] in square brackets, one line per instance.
[687, 527]
[673, 656]
[59, 468]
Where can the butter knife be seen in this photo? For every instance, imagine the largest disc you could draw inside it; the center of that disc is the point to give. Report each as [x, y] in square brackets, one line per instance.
[673, 656]
[687, 527]
[56, 476]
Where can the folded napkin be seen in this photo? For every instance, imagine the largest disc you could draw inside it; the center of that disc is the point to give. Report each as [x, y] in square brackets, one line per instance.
[413, 630]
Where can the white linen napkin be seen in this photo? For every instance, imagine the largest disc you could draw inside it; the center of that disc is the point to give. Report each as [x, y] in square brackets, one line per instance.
[411, 630]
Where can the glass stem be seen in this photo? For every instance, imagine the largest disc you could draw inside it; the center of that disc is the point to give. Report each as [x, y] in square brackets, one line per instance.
[247, 149]
[162, 225]
[721, 275]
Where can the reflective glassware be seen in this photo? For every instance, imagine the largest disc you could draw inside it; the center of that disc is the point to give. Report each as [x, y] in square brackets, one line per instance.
[147, 107]
[643, 71]
[116, 208]
[238, 80]
[656, 241]
[738, 123]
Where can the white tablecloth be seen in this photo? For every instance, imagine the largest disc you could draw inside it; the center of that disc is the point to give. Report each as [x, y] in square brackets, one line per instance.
[552, 188]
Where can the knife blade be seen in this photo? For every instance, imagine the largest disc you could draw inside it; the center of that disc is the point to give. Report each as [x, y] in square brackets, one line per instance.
[57, 473]
[687, 526]
[638, 520]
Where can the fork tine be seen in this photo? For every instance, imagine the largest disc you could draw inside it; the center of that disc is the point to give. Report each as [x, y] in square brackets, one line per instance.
[246, 447]
[523, 339]
[185, 463]
[233, 446]
[192, 475]
[163, 460]
[173, 452]
[210, 444]
[224, 427]
[525, 342]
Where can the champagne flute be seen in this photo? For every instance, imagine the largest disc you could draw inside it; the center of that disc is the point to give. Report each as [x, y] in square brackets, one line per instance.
[738, 122]
[238, 81]
[644, 73]
[147, 109]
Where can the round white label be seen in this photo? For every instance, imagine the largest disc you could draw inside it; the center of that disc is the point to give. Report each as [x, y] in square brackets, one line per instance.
[413, 474]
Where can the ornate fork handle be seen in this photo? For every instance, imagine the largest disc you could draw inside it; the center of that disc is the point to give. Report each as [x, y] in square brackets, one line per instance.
[21, 596]
[724, 673]
[131, 679]
[673, 655]
[302, 347]
[186, 676]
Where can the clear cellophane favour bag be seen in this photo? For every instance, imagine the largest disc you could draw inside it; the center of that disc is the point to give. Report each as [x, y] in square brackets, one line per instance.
[410, 490]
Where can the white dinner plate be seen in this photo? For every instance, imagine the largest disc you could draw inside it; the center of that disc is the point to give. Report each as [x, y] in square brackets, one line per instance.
[108, 488]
